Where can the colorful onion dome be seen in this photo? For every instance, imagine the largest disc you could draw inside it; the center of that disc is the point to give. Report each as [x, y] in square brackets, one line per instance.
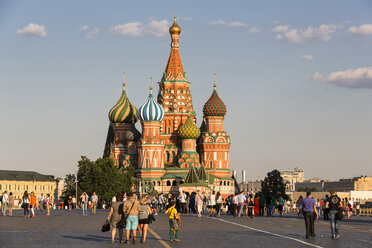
[151, 110]
[175, 29]
[214, 106]
[123, 111]
[189, 130]
[132, 134]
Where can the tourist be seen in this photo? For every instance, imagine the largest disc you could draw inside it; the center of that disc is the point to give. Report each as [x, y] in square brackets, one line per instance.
[357, 206]
[309, 208]
[182, 202]
[94, 199]
[25, 204]
[143, 217]
[348, 208]
[161, 201]
[10, 203]
[41, 202]
[48, 203]
[212, 204]
[205, 204]
[241, 200]
[116, 211]
[234, 205]
[32, 204]
[250, 206]
[131, 209]
[299, 206]
[326, 209]
[84, 204]
[273, 205]
[261, 199]
[173, 229]
[256, 205]
[280, 205]
[199, 202]
[268, 205]
[4, 199]
[218, 204]
[74, 203]
[334, 205]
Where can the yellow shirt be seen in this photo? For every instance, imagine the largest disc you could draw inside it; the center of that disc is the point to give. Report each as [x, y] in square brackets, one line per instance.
[171, 211]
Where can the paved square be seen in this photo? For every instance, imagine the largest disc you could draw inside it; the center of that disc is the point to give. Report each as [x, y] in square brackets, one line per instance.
[70, 229]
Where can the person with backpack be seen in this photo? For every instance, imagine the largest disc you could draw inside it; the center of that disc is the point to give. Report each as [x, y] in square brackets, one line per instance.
[174, 221]
[114, 217]
[335, 212]
[25, 204]
[131, 209]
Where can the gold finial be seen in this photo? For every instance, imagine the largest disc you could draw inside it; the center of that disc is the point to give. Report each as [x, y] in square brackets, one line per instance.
[175, 16]
[123, 80]
[175, 29]
[214, 80]
[150, 85]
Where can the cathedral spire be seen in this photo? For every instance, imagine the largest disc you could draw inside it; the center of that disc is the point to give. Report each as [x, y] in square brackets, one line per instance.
[174, 70]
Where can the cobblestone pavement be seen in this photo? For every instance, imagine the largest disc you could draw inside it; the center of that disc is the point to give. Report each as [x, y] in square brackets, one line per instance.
[70, 229]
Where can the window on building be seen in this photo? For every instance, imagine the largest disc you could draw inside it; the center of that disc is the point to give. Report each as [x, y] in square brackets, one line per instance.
[224, 183]
[43, 187]
[147, 163]
[174, 183]
[10, 187]
[168, 183]
[1, 187]
[35, 187]
[174, 156]
[210, 164]
[19, 187]
[167, 155]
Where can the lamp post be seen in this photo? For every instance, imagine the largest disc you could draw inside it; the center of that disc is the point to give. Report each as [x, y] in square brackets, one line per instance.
[76, 181]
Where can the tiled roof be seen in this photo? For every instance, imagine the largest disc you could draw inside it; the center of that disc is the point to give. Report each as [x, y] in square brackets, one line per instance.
[24, 176]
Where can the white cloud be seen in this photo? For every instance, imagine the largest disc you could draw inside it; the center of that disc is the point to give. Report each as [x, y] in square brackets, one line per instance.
[275, 22]
[280, 29]
[308, 57]
[219, 22]
[157, 28]
[315, 76]
[228, 24]
[236, 24]
[278, 37]
[33, 29]
[350, 78]
[83, 28]
[254, 30]
[365, 29]
[94, 32]
[131, 29]
[134, 29]
[321, 33]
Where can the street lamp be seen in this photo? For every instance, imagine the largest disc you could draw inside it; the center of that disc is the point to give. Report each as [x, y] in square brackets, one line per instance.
[76, 181]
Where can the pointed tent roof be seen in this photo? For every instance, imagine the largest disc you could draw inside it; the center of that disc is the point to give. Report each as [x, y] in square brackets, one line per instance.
[202, 174]
[192, 177]
[174, 69]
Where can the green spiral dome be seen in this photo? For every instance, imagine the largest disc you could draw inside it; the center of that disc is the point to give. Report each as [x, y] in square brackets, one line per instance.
[189, 130]
[123, 111]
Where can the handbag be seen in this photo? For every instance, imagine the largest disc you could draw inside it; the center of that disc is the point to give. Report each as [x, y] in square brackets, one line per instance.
[151, 218]
[106, 226]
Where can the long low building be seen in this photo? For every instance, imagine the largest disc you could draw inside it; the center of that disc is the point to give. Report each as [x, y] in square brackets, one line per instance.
[18, 182]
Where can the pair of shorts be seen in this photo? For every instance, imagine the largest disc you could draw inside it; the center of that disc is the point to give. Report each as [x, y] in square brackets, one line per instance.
[144, 221]
[132, 223]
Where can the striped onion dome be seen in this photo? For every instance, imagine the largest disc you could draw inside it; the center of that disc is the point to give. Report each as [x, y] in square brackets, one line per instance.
[151, 110]
[189, 130]
[214, 106]
[123, 111]
[132, 134]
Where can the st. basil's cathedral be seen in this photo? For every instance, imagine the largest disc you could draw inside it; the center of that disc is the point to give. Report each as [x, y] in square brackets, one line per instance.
[171, 153]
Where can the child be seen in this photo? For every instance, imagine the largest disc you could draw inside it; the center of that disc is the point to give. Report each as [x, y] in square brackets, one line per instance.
[174, 222]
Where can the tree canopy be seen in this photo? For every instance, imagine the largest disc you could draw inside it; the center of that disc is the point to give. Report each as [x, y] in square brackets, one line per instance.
[100, 176]
[273, 184]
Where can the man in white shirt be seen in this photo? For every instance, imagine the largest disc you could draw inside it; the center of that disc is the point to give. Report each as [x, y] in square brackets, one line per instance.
[234, 205]
[241, 200]
[94, 199]
[4, 199]
[182, 199]
[161, 203]
[41, 202]
[212, 203]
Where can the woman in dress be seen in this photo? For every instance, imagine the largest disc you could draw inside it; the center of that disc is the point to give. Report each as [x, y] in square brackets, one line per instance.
[10, 203]
[115, 214]
[143, 217]
[199, 202]
[256, 205]
[218, 204]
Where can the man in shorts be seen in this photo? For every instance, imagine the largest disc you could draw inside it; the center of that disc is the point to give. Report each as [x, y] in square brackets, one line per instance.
[131, 209]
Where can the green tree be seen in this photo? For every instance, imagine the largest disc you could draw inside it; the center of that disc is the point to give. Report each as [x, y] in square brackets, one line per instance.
[273, 184]
[70, 187]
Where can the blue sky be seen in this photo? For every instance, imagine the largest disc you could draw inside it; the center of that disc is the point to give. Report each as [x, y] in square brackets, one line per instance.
[296, 78]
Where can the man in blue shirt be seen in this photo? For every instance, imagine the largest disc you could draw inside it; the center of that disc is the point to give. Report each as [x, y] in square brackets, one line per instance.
[309, 208]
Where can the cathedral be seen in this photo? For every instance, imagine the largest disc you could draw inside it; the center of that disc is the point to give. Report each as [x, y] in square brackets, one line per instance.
[171, 153]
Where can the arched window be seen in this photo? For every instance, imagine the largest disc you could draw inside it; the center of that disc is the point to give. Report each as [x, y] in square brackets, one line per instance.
[168, 183]
[158, 183]
[168, 130]
[174, 156]
[146, 163]
[174, 183]
[224, 183]
[167, 155]
[210, 164]
[228, 183]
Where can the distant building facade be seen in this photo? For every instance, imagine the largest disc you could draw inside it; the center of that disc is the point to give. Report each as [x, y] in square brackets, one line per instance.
[291, 177]
[18, 182]
[250, 187]
[342, 185]
[363, 184]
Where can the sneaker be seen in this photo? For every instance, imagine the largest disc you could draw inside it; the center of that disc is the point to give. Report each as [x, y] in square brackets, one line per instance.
[134, 240]
[177, 240]
[337, 236]
[172, 240]
[333, 237]
[127, 241]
